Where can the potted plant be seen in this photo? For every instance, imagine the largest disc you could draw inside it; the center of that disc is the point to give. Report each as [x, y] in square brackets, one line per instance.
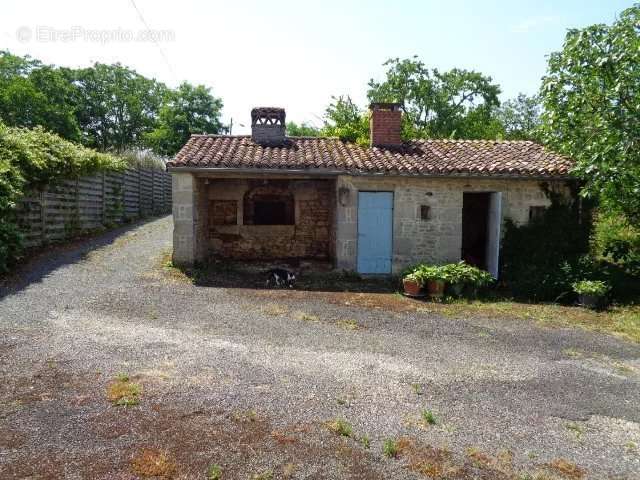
[412, 284]
[590, 292]
[435, 278]
[463, 276]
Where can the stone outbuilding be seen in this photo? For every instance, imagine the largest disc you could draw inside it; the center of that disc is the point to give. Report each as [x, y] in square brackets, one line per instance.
[372, 208]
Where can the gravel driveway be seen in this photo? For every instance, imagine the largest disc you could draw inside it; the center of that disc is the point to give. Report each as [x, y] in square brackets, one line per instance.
[251, 380]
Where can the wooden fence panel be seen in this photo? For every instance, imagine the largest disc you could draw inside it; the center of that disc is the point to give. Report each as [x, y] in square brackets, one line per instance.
[72, 207]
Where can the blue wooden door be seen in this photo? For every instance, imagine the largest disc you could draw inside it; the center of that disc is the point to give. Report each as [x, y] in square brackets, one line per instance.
[375, 232]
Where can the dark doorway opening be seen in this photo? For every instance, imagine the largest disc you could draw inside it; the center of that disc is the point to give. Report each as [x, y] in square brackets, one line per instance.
[475, 216]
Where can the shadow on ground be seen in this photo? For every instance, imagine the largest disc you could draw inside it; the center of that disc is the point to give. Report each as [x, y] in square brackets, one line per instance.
[310, 276]
[39, 262]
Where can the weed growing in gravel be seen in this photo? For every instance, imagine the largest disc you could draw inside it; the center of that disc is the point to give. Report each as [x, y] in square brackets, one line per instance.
[275, 310]
[573, 353]
[341, 401]
[348, 324]
[576, 428]
[390, 448]
[266, 475]
[306, 317]
[429, 417]
[123, 392]
[214, 472]
[417, 388]
[631, 446]
[340, 427]
[366, 443]
[150, 462]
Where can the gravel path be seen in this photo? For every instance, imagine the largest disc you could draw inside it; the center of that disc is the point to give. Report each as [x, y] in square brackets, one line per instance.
[248, 379]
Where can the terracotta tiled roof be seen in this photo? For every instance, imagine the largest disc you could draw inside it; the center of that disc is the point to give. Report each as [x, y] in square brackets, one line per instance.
[417, 157]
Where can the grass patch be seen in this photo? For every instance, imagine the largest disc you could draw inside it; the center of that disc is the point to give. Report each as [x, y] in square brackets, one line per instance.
[123, 392]
[428, 417]
[275, 310]
[171, 271]
[623, 321]
[214, 472]
[566, 468]
[151, 462]
[340, 427]
[366, 443]
[390, 448]
[348, 324]
[306, 317]
[417, 388]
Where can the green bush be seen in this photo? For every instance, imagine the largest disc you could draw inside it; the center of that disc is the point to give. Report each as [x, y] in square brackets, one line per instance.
[617, 241]
[30, 159]
[540, 260]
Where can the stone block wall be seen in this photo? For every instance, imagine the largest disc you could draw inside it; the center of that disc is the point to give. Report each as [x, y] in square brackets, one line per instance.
[436, 239]
[310, 236]
[189, 218]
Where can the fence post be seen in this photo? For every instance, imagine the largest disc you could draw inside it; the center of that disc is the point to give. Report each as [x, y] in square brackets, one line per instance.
[139, 193]
[153, 191]
[43, 215]
[104, 199]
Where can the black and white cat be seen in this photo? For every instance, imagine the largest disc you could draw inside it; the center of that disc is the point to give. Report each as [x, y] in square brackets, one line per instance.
[279, 277]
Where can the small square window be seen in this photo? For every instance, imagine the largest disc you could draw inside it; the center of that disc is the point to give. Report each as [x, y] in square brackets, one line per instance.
[536, 213]
[223, 212]
[425, 212]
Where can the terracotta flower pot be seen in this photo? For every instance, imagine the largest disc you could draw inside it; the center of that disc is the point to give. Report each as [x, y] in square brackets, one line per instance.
[435, 288]
[411, 287]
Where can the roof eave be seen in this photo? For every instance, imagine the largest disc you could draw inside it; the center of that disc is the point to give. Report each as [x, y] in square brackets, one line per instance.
[321, 172]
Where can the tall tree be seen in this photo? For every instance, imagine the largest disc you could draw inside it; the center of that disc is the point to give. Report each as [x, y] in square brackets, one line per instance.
[116, 106]
[520, 117]
[302, 130]
[457, 103]
[345, 120]
[188, 109]
[33, 94]
[591, 103]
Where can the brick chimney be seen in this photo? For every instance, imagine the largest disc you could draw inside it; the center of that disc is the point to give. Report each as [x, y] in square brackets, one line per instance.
[386, 124]
[268, 125]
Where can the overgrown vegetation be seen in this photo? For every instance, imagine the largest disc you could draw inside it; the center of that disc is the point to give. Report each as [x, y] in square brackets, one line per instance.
[545, 258]
[29, 159]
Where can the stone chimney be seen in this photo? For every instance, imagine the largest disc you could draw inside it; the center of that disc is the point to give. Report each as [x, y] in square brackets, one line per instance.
[386, 124]
[268, 126]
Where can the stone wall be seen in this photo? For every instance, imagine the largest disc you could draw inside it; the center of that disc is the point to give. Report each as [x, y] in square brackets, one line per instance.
[189, 218]
[438, 238]
[310, 236]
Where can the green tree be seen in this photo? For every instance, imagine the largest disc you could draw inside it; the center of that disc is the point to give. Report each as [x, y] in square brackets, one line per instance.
[302, 130]
[591, 103]
[33, 94]
[116, 106]
[457, 103]
[520, 117]
[188, 109]
[345, 120]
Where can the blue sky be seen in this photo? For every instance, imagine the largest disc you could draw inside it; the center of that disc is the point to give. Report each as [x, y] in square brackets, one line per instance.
[297, 54]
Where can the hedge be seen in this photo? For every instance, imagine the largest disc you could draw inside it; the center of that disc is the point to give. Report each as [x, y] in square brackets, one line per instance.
[30, 159]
